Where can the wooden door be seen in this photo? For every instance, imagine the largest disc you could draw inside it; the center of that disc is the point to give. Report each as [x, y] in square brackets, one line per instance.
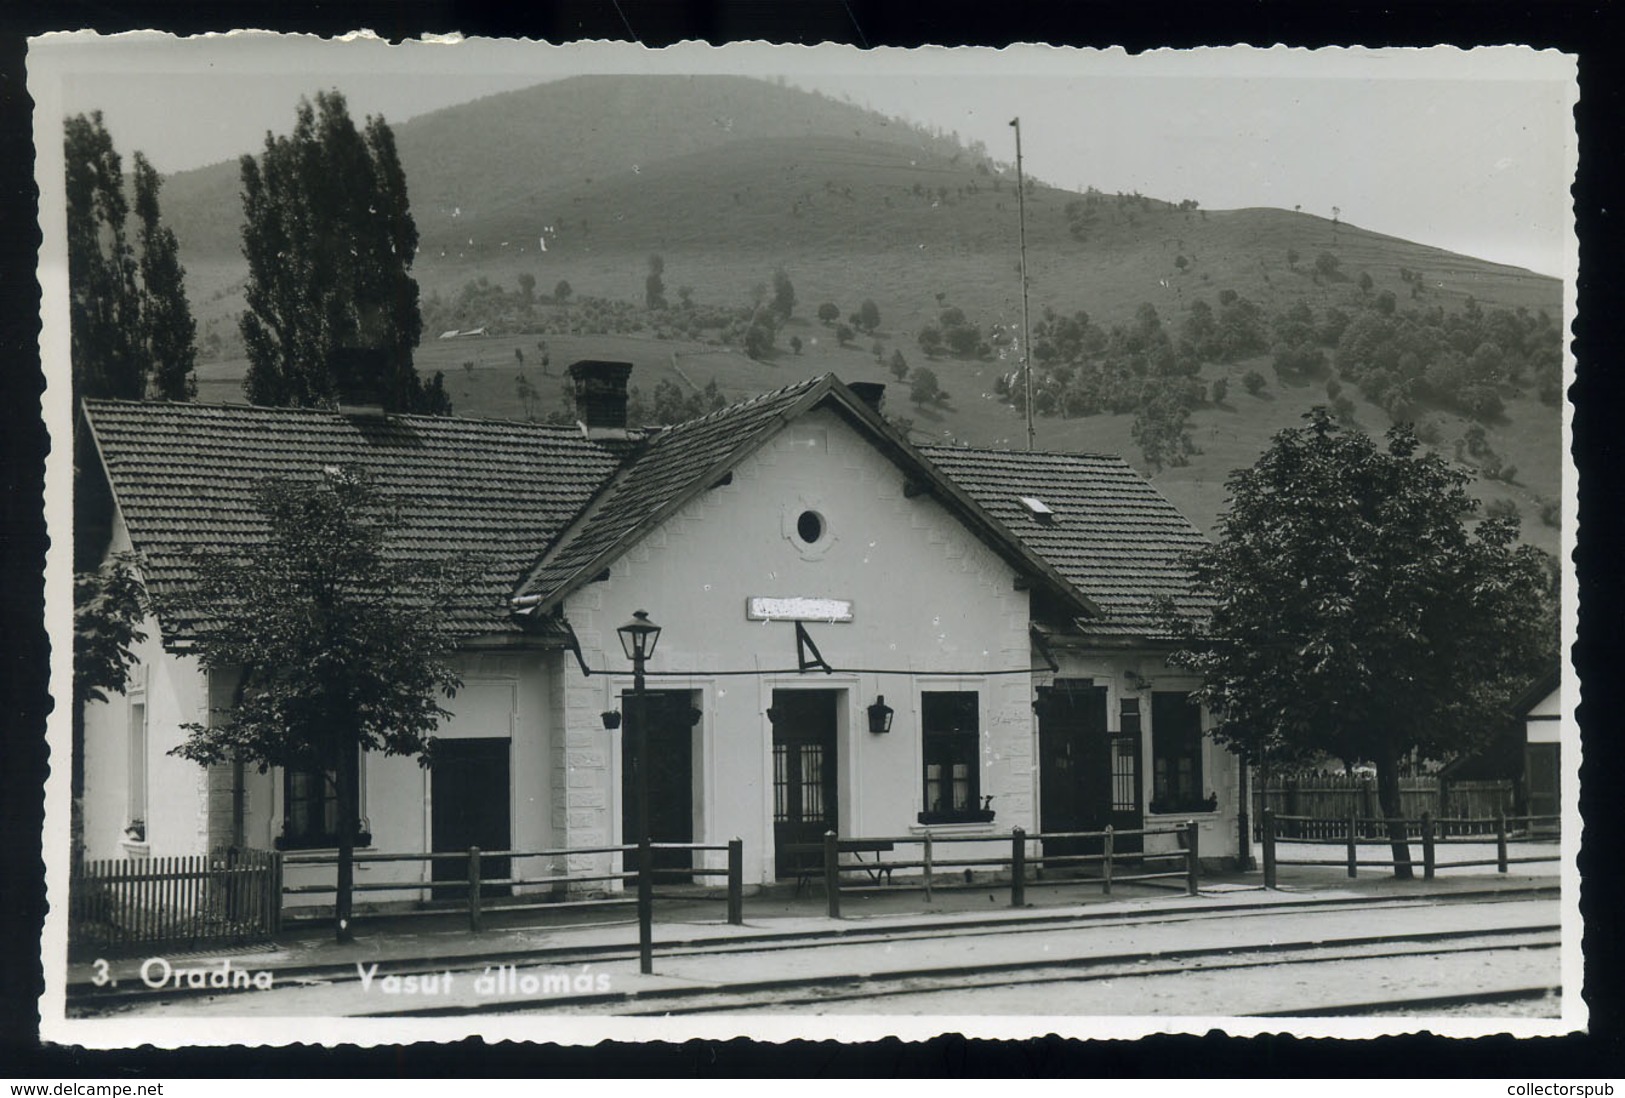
[469, 788]
[804, 774]
[1074, 765]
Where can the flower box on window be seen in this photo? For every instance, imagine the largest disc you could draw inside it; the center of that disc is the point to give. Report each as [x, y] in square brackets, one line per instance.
[969, 815]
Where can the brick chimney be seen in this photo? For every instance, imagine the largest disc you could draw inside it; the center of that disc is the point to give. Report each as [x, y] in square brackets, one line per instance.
[356, 372]
[870, 392]
[600, 391]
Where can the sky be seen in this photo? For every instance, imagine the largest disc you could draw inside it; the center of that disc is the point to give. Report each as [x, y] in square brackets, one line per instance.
[1472, 151]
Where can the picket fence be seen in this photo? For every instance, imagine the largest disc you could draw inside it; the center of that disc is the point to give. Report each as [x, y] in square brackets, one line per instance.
[228, 897]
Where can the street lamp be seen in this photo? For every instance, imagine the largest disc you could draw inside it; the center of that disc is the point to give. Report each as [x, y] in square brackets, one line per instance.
[638, 639]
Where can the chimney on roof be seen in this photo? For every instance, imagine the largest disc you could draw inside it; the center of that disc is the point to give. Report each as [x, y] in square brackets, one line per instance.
[356, 372]
[600, 391]
[870, 392]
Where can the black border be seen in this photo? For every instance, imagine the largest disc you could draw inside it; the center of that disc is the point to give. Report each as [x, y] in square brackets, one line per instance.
[1592, 30]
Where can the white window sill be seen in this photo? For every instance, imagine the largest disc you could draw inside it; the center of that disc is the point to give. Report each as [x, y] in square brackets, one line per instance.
[978, 828]
[136, 849]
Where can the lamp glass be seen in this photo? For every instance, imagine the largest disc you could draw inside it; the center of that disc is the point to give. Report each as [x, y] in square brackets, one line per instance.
[880, 715]
[638, 636]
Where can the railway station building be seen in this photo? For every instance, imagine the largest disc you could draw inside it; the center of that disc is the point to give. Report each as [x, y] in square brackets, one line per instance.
[858, 634]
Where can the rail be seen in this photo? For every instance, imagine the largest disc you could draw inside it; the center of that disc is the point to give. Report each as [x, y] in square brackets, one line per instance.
[1354, 832]
[1015, 860]
[475, 882]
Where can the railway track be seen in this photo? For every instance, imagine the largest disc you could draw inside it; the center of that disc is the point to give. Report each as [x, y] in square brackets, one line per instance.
[1043, 957]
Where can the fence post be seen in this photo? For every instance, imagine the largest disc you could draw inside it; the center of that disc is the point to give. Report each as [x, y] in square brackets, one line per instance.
[646, 904]
[1501, 841]
[1106, 861]
[1193, 858]
[927, 861]
[1269, 847]
[1429, 858]
[276, 892]
[474, 888]
[832, 874]
[736, 882]
[1018, 867]
[1354, 845]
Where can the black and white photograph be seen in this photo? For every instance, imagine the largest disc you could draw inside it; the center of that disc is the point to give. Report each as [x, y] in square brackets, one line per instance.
[565, 542]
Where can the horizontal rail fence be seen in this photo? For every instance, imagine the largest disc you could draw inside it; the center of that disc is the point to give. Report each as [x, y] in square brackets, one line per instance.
[473, 887]
[1323, 800]
[1354, 833]
[229, 897]
[1014, 860]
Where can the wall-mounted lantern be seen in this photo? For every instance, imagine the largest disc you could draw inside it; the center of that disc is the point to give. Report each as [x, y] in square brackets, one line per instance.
[880, 715]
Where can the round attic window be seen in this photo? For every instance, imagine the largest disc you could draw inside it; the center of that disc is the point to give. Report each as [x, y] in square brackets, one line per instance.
[810, 527]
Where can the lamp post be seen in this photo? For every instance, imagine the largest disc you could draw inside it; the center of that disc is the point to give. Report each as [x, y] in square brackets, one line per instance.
[638, 639]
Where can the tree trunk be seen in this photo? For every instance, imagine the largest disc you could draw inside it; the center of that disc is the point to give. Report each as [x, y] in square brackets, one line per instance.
[1388, 800]
[345, 775]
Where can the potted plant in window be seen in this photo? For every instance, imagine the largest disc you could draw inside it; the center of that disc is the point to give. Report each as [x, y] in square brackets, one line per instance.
[136, 831]
[963, 815]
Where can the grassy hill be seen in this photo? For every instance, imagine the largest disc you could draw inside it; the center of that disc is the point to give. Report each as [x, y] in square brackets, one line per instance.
[729, 178]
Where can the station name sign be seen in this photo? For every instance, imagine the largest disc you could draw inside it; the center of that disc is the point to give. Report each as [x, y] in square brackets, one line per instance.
[797, 608]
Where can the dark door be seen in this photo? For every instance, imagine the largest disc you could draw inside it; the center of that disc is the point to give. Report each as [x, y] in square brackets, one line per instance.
[804, 785]
[470, 798]
[671, 718]
[1075, 765]
[1541, 774]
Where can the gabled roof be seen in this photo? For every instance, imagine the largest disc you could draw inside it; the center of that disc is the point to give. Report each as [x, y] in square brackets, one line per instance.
[1109, 532]
[183, 476]
[682, 461]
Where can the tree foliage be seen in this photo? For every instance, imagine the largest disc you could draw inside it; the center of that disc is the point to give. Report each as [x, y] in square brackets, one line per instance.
[784, 295]
[340, 644]
[167, 328]
[132, 333]
[1357, 610]
[108, 606]
[329, 238]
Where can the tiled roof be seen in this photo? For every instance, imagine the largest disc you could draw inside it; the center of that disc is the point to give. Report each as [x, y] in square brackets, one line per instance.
[670, 467]
[499, 492]
[1111, 534]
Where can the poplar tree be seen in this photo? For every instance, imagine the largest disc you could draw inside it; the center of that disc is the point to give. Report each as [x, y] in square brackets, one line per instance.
[329, 238]
[167, 328]
[105, 301]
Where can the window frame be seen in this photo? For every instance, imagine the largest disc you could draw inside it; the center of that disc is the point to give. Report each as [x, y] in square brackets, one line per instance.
[949, 747]
[324, 838]
[1171, 744]
[137, 791]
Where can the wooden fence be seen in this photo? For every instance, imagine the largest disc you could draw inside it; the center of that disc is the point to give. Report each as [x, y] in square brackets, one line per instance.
[1354, 833]
[1323, 801]
[226, 898]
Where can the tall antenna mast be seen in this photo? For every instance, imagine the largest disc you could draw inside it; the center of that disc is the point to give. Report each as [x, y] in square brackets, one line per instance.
[1026, 330]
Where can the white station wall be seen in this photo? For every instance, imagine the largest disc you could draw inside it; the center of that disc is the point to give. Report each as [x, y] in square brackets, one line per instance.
[927, 598]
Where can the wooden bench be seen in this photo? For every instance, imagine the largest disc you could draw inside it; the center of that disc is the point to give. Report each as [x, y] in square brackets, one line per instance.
[808, 858]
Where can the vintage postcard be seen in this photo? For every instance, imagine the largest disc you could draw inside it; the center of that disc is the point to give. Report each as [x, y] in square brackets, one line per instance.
[565, 542]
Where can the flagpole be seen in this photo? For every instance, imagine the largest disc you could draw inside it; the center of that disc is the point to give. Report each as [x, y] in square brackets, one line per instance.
[1026, 331]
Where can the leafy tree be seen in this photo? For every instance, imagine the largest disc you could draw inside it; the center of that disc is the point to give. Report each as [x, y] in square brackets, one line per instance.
[654, 287]
[1253, 382]
[844, 334]
[930, 341]
[829, 312]
[759, 338]
[167, 328]
[784, 295]
[1292, 258]
[869, 315]
[898, 365]
[1221, 389]
[1327, 265]
[795, 345]
[562, 291]
[1366, 282]
[340, 644]
[108, 607]
[527, 287]
[1357, 612]
[925, 389]
[330, 239]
